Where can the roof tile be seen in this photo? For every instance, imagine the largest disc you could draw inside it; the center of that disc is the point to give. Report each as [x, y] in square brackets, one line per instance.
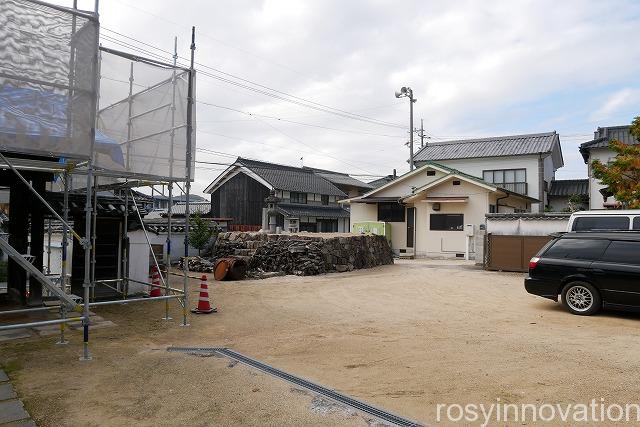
[290, 178]
[512, 145]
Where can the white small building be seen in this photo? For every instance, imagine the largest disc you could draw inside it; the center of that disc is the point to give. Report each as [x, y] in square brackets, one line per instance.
[598, 149]
[435, 210]
[140, 255]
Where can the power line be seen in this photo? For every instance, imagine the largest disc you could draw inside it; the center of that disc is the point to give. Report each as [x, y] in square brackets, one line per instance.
[324, 109]
[260, 88]
[296, 122]
[264, 165]
[315, 151]
[310, 146]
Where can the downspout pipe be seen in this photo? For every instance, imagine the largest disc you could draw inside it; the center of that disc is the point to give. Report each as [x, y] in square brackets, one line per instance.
[498, 202]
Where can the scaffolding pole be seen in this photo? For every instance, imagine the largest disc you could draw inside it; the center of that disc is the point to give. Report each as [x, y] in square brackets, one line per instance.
[88, 208]
[65, 230]
[41, 323]
[93, 237]
[125, 246]
[49, 246]
[185, 264]
[167, 261]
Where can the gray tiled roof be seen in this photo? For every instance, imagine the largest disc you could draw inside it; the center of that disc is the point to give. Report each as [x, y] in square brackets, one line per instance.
[569, 187]
[341, 178]
[513, 145]
[290, 178]
[295, 210]
[604, 135]
[381, 181]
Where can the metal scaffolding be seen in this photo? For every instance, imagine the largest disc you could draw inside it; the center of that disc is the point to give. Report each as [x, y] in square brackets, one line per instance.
[120, 146]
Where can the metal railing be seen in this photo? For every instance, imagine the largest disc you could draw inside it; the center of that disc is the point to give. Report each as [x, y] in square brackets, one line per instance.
[516, 187]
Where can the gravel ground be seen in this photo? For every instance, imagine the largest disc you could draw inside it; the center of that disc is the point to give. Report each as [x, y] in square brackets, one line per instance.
[403, 337]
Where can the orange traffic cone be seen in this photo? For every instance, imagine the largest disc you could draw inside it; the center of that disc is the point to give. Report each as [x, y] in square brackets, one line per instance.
[155, 280]
[203, 301]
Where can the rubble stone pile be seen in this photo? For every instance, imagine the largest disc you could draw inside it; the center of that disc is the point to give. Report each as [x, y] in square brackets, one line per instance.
[297, 253]
[300, 257]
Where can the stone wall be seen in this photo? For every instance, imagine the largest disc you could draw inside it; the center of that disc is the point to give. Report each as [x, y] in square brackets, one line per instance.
[304, 254]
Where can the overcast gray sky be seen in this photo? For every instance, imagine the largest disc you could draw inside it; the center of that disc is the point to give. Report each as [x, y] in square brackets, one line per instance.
[478, 68]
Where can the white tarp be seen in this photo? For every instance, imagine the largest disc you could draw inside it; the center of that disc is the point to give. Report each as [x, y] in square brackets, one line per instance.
[47, 80]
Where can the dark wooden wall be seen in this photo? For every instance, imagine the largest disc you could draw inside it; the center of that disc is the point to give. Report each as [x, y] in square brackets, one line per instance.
[108, 233]
[240, 198]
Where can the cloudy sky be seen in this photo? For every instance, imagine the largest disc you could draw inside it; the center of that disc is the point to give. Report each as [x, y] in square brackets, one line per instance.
[477, 68]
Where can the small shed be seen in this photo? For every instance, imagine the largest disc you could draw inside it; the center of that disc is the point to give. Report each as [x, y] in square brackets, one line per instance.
[140, 257]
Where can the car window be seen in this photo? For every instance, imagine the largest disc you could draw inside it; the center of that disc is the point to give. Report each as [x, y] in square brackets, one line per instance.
[577, 249]
[636, 223]
[622, 253]
[589, 223]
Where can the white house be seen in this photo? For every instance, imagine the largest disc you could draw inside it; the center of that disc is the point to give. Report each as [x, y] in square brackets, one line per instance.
[524, 164]
[598, 149]
[435, 210]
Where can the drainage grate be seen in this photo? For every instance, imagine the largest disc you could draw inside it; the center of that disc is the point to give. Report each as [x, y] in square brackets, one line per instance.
[324, 391]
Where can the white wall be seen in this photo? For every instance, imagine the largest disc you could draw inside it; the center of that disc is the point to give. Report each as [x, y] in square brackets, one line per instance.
[549, 175]
[448, 243]
[405, 187]
[527, 227]
[364, 212]
[476, 166]
[139, 253]
[596, 201]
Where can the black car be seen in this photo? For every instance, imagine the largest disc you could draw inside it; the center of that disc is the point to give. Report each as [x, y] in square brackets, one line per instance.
[590, 270]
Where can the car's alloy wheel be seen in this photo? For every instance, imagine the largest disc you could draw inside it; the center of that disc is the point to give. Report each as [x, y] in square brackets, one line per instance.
[581, 298]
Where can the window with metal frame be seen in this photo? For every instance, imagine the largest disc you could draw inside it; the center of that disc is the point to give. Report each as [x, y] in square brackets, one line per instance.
[510, 179]
[324, 199]
[446, 222]
[390, 212]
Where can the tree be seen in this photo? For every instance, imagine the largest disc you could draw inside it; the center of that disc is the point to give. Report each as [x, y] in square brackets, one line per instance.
[575, 203]
[199, 232]
[622, 175]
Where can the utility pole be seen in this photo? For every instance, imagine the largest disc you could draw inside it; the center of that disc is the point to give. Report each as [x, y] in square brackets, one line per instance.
[411, 101]
[408, 93]
[421, 133]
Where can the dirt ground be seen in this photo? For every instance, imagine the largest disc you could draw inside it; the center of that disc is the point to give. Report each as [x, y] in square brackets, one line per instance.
[403, 337]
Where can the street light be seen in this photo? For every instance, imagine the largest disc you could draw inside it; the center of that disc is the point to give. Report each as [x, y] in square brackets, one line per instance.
[408, 93]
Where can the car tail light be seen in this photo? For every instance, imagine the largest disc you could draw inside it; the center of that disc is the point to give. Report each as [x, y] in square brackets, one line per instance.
[533, 262]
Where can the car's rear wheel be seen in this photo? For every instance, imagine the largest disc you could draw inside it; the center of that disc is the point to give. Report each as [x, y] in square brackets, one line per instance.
[581, 298]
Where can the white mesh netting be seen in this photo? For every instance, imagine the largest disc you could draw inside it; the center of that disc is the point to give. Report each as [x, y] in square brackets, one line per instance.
[47, 79]
[143, 108]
